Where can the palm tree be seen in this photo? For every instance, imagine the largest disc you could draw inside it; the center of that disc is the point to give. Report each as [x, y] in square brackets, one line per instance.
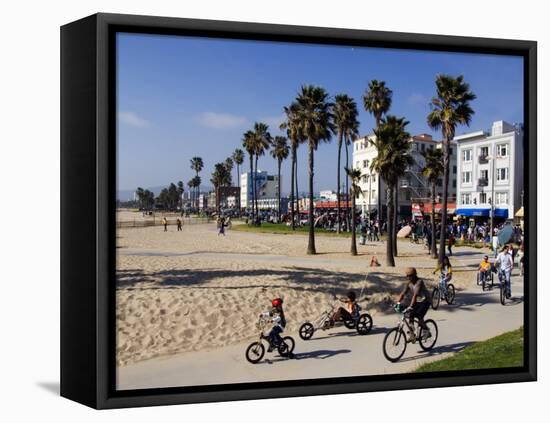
[197, 165]
[315, 119]
[450, 108]
[262, 141]
[354, 175]
[238, 159]
[229, 165]
[279, 151]
[221, 177]
[180, 193]
[392, 146]
[432, 171]
[377, 101]
[296, 137]
[248, 145]
[140, 194]
[345, 120]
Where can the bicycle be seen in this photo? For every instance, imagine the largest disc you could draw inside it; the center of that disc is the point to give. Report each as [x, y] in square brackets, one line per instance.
[445, 290]
[256, 351]
[361, 322]
[504, 292]
[396, 340]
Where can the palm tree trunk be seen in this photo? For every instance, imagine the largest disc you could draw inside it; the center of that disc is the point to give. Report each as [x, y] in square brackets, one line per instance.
[433, 247]
[311, 241]
[255, 184]
[347, 185]
[279, 192]
[395, 211]
[293, 158]
[339, 227]
[443, 234]
[296, 182]
[353, 241]
[389, 218]
[252, 184]
[239, 185]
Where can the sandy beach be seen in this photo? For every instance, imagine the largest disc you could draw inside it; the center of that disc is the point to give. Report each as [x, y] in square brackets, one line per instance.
[195, 290]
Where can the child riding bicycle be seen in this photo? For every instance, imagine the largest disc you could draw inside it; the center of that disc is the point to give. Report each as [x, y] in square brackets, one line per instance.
[277, 317]
[446, 271]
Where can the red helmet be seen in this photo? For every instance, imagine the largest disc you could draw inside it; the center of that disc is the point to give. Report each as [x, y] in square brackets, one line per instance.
[277, 302]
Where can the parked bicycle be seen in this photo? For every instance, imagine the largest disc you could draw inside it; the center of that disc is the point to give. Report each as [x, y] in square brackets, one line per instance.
[256, 351]
[396, 340]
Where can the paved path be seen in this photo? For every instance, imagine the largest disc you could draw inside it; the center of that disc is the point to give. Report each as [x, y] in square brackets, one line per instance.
[339, 352]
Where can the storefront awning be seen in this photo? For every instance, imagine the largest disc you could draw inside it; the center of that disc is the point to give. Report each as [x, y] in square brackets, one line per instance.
[520, 212]
[482, 212]
[420, 208]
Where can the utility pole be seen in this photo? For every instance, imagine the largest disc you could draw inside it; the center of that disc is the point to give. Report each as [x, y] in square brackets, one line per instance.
[492, 195]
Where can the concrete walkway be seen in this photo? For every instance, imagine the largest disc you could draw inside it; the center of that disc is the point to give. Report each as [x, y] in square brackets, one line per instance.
[338, 352]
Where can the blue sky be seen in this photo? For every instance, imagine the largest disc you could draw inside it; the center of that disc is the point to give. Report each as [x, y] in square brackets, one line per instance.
[180, 97]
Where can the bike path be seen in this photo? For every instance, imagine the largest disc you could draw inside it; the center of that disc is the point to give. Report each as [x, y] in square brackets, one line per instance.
[338, 352]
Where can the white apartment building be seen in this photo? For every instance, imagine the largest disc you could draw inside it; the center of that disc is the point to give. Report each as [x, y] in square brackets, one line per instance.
[491, 171]
[266, 187]
[413, 187]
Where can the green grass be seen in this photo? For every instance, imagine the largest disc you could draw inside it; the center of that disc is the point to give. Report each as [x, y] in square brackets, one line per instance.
[505, 350]
[283, 229]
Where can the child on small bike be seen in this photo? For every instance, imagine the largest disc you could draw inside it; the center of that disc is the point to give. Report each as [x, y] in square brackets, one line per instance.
[345, 313]
[278, 321]
[446, 270]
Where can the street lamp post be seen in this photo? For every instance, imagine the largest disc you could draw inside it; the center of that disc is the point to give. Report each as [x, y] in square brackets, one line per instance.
[492, 202]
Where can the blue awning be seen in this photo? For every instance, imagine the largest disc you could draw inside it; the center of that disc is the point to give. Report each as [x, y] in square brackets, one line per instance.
[482, 212]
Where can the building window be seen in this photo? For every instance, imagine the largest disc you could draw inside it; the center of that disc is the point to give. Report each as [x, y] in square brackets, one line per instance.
[450, 151]
[454, 183]
[501, 198]
[502, 174]
[454, 170]
[483, 198]
[467, 155]
[466, 199]
[466, 177]
[373, 178]
[439, 182]
[502, 150]
[423, 147]
[484, 174]
[365, 163]
[484, 151]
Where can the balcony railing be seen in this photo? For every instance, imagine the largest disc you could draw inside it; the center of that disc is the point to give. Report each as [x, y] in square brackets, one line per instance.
[483, 160]
[482, 182]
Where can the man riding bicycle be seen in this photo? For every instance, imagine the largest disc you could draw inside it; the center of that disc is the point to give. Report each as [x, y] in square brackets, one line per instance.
[505, 264]
[419, 304]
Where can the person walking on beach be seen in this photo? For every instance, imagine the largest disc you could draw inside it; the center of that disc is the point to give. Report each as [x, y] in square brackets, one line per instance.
[165, 224]
[179, 224]
[222, 227]
[450, 243]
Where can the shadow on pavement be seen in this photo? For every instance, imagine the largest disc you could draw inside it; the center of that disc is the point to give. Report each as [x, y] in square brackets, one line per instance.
[317, 354]
[442, 349]
[351, 333]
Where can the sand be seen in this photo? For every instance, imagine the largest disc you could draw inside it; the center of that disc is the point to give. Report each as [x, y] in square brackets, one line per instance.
[195, 290]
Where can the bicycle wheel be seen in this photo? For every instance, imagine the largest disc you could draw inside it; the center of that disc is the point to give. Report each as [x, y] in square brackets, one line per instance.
[364, 324]
[428, 343]
[350, 324]
[484, 285]
[478, 278]
[502, 293]
[450, 296]
[436, 298]
[306, 331]
[286, 347]
[394, 345]
[255, 352]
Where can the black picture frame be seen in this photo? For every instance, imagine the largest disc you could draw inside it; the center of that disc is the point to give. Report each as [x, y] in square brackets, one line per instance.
[88, 151]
